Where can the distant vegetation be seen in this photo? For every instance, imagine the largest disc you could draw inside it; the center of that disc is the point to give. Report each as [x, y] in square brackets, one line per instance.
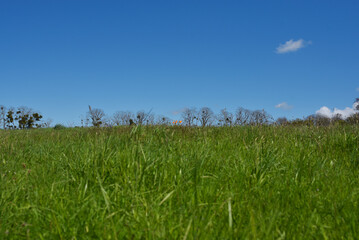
[20, 118]
[59, 127]
[26, 118]
[206, 117]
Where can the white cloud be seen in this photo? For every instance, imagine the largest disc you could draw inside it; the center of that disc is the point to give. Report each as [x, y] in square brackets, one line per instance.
[292, 46]
[344, 114]
[284, 106]
[358, 89]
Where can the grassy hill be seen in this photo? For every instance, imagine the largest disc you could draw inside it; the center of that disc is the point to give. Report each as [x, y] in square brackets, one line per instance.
[261, 182]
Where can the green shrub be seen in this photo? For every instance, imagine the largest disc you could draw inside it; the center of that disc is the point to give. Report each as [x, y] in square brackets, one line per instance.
[59, 127]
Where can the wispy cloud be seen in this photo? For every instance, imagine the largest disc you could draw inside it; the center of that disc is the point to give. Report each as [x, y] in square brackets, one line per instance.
[358, 89]
[284, 106]
[292, 46]
[344, 114]
[176, 112]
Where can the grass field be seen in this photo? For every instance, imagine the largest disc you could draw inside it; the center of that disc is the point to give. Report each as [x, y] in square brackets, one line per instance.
[180, 183]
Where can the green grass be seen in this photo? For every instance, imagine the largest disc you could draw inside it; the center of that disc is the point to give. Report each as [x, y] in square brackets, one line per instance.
[180, 183]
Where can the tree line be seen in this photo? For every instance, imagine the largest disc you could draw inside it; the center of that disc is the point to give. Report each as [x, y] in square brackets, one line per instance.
[206, 117]
[26, 118]
[189, 117]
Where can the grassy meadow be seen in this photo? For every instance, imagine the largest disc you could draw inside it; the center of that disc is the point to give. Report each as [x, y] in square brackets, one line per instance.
[263, 182]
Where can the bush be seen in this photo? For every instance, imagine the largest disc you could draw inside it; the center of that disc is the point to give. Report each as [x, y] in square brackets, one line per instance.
[59, 127]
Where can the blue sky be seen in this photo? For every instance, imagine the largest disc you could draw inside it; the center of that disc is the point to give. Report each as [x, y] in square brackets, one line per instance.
[58, 57]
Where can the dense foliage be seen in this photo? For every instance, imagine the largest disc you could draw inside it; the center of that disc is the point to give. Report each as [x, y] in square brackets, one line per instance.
[22, 118]
[252, 182]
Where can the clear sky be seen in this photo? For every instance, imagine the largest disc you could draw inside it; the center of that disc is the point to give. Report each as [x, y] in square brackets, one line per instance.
[58, 57]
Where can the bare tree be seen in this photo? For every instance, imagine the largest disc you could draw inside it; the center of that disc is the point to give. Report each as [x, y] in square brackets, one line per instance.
[47, 123]
[205, 116]
[116, 118]
[260, 117]
[3, 116]
[242, 116]
[85, 121]
[162, 120]
[96, 116]
[248, 116]
[150, 120]
[122, 118]
[189, 116]
[225, 118]
[143, 118]
[107, 121]
[140, 117]
[282, 121]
